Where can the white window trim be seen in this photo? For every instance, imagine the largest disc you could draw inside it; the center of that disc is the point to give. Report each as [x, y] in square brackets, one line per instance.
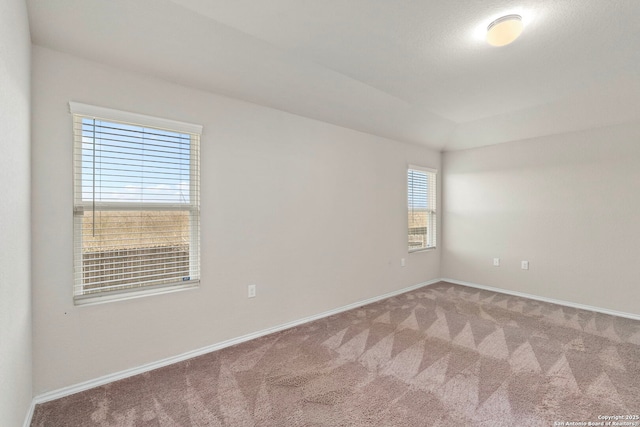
[93, 299]
[86, 110]
[133, 118]
[423, 169]
[434, 218]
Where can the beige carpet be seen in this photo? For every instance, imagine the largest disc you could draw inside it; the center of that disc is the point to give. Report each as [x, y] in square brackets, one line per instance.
[443, 355]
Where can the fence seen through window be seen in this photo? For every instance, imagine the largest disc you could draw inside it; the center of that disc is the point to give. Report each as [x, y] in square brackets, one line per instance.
[421, 191]
[136, 209]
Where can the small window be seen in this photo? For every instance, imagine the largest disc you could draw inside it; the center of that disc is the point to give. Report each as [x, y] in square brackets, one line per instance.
[136, 206]
[421, 184]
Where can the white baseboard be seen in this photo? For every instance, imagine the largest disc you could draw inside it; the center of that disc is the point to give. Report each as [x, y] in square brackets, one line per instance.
[66, 391]
[545, 299]
[27, 419]
[86, 385]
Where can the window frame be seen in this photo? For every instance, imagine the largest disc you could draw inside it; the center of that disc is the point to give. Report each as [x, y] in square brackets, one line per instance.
[81, 111]
[432, 220]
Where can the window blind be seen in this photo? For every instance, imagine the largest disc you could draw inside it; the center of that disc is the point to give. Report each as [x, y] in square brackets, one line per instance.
[136, 205]
[421, 189]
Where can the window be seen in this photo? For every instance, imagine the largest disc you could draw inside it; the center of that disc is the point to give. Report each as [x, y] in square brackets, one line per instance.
[136, 209]
[421, 184]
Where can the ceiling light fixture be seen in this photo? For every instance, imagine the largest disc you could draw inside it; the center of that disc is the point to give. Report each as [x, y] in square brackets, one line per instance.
[504, 30]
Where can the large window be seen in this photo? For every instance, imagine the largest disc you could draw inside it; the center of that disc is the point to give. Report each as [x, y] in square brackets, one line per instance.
[421, 189]
[136, 206]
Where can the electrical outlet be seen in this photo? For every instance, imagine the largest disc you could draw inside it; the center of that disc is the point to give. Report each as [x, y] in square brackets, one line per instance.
[524, 265]
[403, 262]
[251, 291]
[496, 262]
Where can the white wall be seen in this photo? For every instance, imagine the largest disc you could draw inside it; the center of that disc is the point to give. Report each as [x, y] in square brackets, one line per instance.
[15, 258]
[569, 204]
[313, 213]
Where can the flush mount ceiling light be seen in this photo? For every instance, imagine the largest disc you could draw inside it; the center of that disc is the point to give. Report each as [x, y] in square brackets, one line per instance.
[504, 30]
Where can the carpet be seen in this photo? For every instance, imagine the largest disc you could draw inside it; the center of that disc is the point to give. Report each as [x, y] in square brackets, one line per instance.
[442, 355]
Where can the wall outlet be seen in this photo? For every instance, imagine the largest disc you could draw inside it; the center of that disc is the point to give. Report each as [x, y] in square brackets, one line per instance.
[496, 262]
[403, 262]
[251, 291]
[524, 265]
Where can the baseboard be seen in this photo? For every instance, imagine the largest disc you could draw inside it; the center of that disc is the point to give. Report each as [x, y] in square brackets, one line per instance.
[545, 299]
[66, 391]
[27, 419]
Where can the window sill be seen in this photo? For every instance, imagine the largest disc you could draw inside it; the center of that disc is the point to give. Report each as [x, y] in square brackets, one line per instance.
[93, 299]
[431, 248]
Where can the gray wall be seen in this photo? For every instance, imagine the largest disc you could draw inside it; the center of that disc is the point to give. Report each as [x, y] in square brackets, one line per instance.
[314, 214]
[569, 204]
[15, 260]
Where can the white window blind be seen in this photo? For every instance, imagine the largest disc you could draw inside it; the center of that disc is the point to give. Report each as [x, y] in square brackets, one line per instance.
[421, 186]
[136, 203]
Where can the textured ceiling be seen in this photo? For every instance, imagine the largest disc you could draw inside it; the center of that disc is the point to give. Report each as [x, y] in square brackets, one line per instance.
[415, 71]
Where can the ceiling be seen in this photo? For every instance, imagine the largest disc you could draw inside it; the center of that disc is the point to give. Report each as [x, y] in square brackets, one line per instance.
[417, 71]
